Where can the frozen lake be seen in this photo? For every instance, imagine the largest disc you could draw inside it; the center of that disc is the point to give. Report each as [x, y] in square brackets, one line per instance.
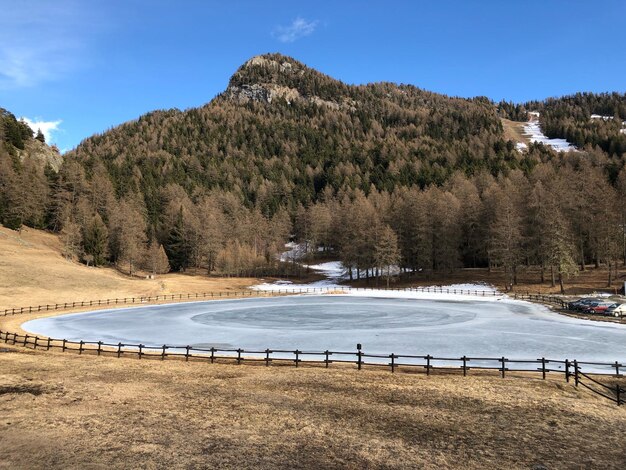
[383, 325]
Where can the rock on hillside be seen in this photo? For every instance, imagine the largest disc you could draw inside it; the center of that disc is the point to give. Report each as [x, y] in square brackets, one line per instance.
[41, 154]
[269, 77]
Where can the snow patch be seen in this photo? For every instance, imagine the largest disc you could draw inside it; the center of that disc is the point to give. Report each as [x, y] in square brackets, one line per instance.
[295, 252]
[335, 272]
[533, 130]
[599, 116]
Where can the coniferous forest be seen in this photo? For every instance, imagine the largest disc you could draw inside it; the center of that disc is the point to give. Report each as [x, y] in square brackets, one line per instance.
[378, 175]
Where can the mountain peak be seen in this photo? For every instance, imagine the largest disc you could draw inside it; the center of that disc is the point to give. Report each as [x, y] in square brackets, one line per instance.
[267, 77]
[283, 63]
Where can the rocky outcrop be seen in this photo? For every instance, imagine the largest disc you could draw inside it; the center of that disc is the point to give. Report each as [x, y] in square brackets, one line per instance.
[41, 153]
[266, 78]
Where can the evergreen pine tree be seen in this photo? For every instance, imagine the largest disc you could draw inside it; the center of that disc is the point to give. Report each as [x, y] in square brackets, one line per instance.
[95, 240]
[177, 245]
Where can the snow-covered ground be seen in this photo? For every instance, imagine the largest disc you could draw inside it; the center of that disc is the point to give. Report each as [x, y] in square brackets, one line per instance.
[533, 130]
[335, 272]
[294, 252]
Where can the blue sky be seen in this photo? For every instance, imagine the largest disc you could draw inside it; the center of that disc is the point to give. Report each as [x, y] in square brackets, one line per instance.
[81, 67]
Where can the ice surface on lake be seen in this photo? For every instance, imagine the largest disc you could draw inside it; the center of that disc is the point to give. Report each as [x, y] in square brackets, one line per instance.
[497, 328]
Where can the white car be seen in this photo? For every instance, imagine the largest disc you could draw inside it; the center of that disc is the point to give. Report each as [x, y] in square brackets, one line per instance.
[618, 311]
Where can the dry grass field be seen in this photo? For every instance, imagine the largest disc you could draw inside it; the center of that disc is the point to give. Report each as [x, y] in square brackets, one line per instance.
[33, 272]
[69, 411]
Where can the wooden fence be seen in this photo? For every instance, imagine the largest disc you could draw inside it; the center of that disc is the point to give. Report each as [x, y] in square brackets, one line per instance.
[392, 362]
[232, 294]
[546, 299]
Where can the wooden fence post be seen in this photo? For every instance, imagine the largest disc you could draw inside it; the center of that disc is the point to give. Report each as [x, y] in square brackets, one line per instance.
[393, 364]
[617, 369]
[428, 357]
[464, 359]
[267, 358]
[140, 350]
[163, 352]
[543, 368]
[576, 372]
[187, 353]
[212, 354]
[297, 359]
[326, 361]
[99, 347]
[80, 348]
[567, 374]
[502, 359]
[238, 355]
[119, 349]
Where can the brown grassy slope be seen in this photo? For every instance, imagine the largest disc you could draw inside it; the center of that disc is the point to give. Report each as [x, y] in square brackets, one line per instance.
[33, 272]
[69, 411]
[514, 131]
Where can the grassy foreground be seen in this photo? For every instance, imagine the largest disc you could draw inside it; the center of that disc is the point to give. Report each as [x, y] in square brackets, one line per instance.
[67, 411]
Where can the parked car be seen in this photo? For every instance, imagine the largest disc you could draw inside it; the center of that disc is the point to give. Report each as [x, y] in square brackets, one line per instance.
[616, 310]
[582, 304]
[598, 307]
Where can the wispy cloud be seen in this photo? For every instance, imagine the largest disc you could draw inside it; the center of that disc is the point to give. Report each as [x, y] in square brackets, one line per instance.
[299, 28]
[46, 127]
[42, 42]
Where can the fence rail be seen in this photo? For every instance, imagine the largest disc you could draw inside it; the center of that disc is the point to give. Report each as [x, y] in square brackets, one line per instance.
[551, 299]
[392, 362]
[235, 294]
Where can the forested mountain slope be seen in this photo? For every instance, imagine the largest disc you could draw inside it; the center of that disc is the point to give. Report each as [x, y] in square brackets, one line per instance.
[282, 133]
[381, 173]
[586, 119]
[25, 164]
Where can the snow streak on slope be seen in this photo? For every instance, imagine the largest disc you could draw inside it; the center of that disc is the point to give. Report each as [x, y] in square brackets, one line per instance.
[533, 130]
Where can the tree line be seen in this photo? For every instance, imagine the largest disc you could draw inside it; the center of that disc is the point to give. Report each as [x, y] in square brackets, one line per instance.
[558, 218]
